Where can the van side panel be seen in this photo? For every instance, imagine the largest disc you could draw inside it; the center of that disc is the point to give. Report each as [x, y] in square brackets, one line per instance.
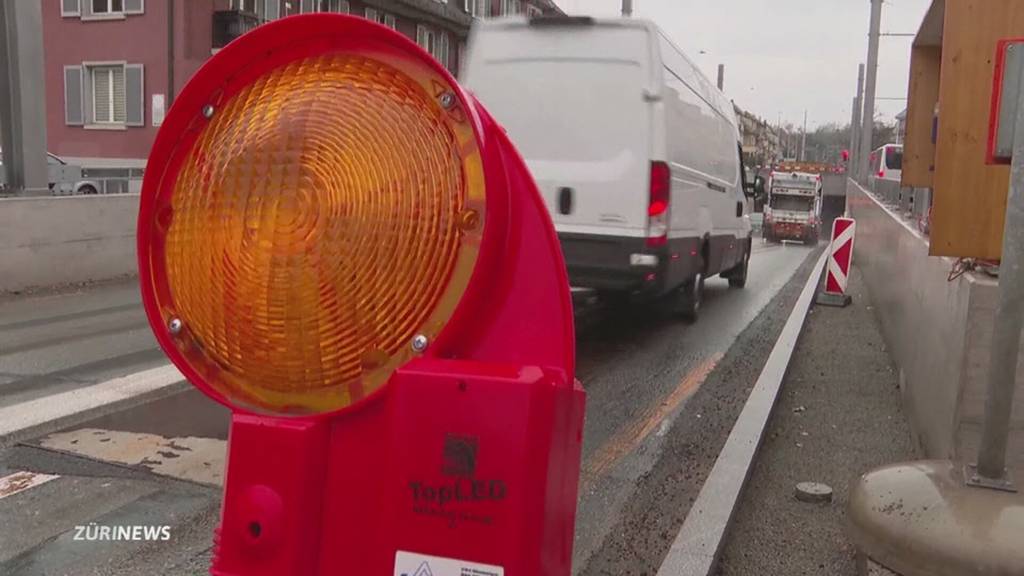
[702, 149]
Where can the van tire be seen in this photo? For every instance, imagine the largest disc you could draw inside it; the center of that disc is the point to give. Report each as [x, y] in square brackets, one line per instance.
[689, 298]
[738, 276]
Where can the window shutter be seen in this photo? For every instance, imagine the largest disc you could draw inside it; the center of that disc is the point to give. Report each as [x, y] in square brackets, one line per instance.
[134, 95]
[273, 10]
[117, 84]
[70, 8]
[345, 8]
[134, 6]
[88, 97]
[306, 6]
[101, 94]
[371, 14]
[421, 37]
[390, 22]
[73, 114]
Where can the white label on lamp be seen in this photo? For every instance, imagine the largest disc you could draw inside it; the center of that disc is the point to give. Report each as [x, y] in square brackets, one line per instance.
[411, 564]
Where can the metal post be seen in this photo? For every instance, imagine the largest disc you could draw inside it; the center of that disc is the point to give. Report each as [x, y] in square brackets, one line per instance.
[22, 106]
[803, 140]
[868, 121]
[855, 127]
[721, 77]
[1009, 320]
[627, 8]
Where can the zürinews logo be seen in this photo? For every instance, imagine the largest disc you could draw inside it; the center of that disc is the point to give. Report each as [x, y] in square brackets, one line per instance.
[94, 532]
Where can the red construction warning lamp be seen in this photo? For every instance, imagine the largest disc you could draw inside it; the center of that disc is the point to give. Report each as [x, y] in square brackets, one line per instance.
[340, 244]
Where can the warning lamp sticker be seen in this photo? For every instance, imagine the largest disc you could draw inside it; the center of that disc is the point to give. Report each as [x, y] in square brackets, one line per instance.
[411, 564]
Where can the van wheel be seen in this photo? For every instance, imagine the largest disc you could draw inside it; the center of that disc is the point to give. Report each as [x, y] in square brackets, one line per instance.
[690, 297]
[738, 277]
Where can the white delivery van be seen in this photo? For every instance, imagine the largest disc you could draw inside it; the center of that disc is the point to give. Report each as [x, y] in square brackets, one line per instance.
[637, 155]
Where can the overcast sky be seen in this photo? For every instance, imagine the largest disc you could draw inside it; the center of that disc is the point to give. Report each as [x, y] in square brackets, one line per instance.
[784, 56]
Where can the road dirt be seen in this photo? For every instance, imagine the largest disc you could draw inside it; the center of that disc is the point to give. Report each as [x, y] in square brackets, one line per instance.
[641, 538]
[837, 417]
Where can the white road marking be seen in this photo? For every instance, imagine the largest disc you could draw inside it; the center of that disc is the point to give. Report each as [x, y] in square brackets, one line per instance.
[20, 421]
[21, 481]
[189, 458]
[694, 552]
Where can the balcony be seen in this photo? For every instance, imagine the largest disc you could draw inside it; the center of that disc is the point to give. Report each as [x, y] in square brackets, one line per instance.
[230, 24]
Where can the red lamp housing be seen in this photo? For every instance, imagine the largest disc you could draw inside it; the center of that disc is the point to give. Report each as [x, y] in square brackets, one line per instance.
[340, 244]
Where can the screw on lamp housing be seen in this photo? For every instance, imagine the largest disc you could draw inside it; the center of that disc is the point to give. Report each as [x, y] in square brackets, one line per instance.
[174, 326]
[419, 343]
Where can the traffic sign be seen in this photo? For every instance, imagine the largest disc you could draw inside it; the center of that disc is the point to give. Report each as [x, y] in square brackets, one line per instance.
[839, 262]
[341, 245]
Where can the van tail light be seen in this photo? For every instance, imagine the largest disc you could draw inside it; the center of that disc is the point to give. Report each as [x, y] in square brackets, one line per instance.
[657, 211]
[881, 173]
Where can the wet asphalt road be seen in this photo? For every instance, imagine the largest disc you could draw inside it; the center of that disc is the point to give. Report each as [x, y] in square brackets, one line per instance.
[650, 415]
[60, 340]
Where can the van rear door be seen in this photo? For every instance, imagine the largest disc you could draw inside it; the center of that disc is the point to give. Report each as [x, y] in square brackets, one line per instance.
[572, 99]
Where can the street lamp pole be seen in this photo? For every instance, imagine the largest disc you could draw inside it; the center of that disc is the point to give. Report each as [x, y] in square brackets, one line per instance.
[871, 84]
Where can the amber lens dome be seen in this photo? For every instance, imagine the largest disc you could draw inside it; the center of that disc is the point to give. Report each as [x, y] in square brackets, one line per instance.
[326, 214]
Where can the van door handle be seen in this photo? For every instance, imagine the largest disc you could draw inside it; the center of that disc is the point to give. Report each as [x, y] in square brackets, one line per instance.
[739, 209]
[565, 201]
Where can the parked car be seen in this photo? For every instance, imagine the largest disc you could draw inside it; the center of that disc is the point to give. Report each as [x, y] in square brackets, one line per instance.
[636, 153]
[72, 176]
[62, 178]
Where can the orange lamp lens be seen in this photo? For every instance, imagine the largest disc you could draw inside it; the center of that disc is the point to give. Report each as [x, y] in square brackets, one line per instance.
[326, 214]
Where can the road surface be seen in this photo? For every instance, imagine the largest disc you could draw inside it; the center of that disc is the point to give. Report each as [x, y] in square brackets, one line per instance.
[661, 396]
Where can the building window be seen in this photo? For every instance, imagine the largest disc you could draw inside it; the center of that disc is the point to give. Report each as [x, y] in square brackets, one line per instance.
[435, 42]
[479, 8]
[381, 17]
[510, 8]
[108, 95]
[335, 6]
[107, 6]
[264, 10]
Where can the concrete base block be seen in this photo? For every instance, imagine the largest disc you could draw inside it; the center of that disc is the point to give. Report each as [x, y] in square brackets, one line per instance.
[920, 518]
[835, 300]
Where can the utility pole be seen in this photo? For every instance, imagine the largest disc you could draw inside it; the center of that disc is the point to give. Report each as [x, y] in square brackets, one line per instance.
[871, 83]
[855, 125]
[803, 139]
[721, 77]
[627, 8]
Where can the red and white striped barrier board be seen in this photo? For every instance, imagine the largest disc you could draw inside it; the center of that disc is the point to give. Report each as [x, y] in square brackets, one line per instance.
[841, 256]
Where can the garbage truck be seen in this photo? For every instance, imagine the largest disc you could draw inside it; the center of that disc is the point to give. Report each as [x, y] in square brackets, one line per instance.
[793, 209]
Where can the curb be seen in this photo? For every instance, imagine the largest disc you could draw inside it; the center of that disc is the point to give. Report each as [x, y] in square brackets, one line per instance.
[41, 416]
[697, 546]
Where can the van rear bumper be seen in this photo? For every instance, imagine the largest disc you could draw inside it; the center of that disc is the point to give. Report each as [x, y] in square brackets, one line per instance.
[607, 263]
